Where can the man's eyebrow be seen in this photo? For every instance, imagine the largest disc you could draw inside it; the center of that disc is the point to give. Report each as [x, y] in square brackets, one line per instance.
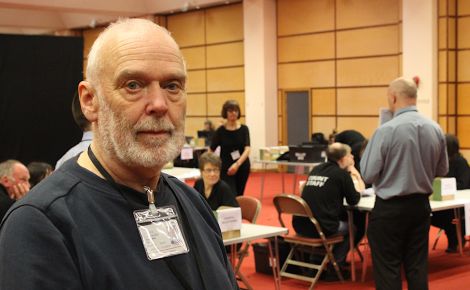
[126, 74]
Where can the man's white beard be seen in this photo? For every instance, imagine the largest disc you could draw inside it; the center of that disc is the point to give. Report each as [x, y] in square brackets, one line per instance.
[118, 136]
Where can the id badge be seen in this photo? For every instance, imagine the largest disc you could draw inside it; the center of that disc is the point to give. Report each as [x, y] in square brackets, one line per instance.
[235, 155]
[160, 232]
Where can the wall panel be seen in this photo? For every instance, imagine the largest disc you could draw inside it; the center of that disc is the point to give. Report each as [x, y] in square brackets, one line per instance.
[192, 125]
[324, 125]
[464, 38]
[463, 99]
[221, 55]
[196, 105]
[463, 7]
[196, 81]
[367, 71]
[226, 79]
[463, 70]
[187, 28]
[373, 41]
[323, 102]
[359, 13]
[304, 16]
[366, 125]
[224, 24]
[307, 74]
[361, 101]
[306, 47]
[195, 57]
[463, 131]
[442, 105]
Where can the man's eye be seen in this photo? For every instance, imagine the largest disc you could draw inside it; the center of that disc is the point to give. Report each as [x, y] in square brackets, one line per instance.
[133, 85]
[173, 87]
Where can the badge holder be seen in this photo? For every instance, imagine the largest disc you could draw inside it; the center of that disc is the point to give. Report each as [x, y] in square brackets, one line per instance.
[160, 230]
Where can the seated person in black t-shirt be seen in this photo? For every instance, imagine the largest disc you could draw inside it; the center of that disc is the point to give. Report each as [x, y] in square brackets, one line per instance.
[326, 187]
[215, 191]
[458, 168]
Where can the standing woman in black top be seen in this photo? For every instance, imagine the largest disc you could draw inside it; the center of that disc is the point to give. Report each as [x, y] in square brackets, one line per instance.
[234, 141]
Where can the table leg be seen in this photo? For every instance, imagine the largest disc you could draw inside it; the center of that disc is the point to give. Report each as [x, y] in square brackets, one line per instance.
[263, 176]
[351, 244]
[274, 261]
[458, 224]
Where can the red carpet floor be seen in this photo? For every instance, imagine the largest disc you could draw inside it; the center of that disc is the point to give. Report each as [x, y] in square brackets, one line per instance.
[446, 271]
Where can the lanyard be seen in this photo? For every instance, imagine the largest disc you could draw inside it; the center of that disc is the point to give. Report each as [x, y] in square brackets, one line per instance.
[110, 179]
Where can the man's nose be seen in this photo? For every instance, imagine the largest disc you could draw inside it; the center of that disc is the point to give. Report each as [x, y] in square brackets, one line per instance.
[157, 102]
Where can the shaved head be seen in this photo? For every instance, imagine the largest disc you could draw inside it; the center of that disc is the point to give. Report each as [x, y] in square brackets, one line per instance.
[103, 49]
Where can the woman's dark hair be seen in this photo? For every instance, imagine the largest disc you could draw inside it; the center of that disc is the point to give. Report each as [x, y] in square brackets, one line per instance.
[230, 105]
[209, 158]
[38, 171]
[452, 146]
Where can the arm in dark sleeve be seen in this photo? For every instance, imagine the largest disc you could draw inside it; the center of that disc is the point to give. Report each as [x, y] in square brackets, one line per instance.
[215, 140]
[247, 137]
[350, 193]
[34, 255]
[462, 173]
[228, 197]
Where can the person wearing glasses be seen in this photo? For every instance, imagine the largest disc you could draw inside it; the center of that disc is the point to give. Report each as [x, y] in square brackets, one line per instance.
[216, 191]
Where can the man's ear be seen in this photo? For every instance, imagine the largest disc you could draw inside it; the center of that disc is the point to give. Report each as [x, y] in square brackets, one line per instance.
[88, 100]
[5, 181]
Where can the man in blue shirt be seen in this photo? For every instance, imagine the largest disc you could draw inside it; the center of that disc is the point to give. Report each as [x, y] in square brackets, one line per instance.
[401, 160]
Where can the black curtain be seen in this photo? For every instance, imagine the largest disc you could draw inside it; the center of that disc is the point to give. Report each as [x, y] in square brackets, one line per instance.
[38, 77]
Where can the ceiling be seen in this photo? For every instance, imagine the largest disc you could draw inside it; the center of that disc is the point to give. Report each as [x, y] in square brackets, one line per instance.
[48, 16]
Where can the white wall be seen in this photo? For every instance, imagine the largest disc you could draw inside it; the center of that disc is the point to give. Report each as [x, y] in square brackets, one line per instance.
[420, 51]
[260, 41]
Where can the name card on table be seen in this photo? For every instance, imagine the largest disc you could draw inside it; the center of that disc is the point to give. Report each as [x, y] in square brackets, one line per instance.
[230, 221]
[444, 188]
[187, 153]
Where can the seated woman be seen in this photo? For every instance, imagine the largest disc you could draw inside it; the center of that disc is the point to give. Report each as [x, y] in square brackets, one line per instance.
[215, 191]
[458, 168]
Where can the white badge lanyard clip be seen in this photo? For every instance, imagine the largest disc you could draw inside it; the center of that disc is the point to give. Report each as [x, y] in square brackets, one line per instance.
[151, 199]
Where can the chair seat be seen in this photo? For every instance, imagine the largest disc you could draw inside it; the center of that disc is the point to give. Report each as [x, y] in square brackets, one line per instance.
[294, 238]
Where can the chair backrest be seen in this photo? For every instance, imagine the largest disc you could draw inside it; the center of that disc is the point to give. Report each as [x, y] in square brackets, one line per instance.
[250, 208]
[294, 205]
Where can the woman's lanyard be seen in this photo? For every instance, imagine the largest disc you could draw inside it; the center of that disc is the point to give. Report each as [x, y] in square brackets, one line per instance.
[150, 196]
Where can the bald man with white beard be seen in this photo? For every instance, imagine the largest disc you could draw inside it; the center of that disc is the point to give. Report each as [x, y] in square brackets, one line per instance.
[110, 219]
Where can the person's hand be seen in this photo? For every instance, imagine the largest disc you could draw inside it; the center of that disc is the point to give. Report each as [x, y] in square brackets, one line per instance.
[19, 190]
[233, 168]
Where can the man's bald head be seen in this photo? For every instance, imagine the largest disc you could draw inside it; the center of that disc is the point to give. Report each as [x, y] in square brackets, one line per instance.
[402, 93]
[101, 52]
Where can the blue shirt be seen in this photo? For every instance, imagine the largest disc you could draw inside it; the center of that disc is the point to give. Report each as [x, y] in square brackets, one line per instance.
[404, 155]
[77, 149]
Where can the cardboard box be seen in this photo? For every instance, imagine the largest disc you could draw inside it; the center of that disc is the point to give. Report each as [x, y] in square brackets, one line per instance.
[444, 188]
[230, 221]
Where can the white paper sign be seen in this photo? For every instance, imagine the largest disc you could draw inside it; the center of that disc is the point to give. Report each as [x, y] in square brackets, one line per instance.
[448, 186]
[229, 219]
[187, 153]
